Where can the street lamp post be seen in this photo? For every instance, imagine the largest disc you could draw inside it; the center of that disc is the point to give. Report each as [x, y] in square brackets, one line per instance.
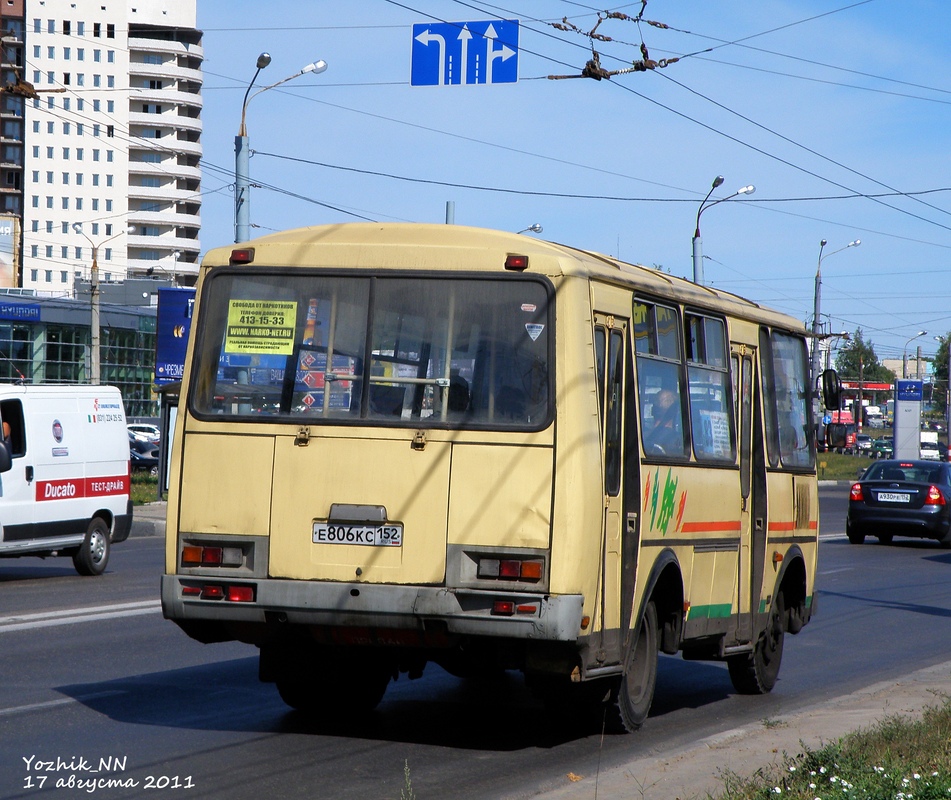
[697, 244]
[904, 354]
[242, 184]
[816, 324]
[94, 362]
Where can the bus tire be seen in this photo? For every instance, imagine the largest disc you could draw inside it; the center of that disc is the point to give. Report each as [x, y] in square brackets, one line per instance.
[354, 687]
[93, 554]
[756, 673]
[635, 693]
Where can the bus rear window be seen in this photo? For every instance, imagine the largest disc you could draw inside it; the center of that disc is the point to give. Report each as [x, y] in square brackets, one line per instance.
[377, 350]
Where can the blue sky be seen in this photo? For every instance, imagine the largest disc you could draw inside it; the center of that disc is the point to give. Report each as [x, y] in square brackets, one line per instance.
[838, 111]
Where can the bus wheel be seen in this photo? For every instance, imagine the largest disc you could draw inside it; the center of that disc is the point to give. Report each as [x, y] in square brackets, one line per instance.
[757, 673]
[327, 690]
[93, 554]
[635, 693]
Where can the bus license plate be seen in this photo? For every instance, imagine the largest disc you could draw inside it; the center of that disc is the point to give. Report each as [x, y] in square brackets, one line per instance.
[894, 497]
[382, 535]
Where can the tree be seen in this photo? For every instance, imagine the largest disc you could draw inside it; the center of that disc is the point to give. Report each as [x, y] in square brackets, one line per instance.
[941, 375]
[858, 354]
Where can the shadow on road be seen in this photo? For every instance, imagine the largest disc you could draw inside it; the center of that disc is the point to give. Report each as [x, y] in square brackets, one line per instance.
[499, 714]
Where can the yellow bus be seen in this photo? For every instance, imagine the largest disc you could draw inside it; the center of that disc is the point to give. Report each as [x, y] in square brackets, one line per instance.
[401, 443]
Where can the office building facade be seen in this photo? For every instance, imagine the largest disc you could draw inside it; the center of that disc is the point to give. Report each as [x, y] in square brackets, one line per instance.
[101, 141]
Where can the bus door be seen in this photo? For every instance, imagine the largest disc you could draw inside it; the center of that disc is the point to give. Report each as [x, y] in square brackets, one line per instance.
[752, 488]
[620, 473]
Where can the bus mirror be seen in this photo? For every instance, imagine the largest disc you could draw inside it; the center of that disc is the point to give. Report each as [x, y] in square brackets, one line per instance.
[831, 390]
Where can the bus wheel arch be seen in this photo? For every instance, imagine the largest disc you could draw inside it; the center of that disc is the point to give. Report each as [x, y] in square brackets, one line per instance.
[792, 585]
[757, 672]
[659, 628]
[665, 588]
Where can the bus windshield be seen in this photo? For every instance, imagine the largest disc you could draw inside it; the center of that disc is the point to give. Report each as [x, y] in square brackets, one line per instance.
[382, 349]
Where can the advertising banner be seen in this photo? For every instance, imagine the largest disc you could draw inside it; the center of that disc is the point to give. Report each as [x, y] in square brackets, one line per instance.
[174, 320]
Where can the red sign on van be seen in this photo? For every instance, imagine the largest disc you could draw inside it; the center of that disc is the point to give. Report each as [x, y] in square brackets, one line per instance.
[72, 488]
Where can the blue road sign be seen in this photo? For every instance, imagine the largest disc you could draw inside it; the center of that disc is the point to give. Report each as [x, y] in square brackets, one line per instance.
[465, 53]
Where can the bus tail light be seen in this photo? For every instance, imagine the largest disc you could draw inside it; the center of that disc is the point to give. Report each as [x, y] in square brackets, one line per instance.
[512, 569]
[198, 556]
[855, 494]
[230, 593]
[935, 497]
[516, 263]
[503, 608]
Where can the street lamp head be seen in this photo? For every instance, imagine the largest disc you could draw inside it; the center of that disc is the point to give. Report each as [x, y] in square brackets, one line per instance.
[317, 67]
[78, 227]
[920, 333]
[746, 189]
[717, 182]
[535, 228]
[823, 243]
[263, 60]
[856, 243]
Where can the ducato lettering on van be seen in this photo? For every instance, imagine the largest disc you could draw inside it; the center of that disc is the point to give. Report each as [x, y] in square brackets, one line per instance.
[58, 490]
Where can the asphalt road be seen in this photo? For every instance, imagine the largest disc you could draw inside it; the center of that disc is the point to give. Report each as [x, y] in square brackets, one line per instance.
[93, 676]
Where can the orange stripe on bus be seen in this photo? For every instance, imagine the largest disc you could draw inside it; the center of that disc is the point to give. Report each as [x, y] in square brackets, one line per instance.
[782, 526]
[719, 525]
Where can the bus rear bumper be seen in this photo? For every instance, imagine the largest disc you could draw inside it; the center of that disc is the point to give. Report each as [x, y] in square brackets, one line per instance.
[203, 606]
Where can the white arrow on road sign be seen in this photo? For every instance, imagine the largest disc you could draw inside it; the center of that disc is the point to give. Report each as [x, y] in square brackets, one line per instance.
[427, 37]
[492, 54]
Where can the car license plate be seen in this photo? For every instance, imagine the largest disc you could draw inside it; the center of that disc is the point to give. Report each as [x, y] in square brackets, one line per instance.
[894, 497]
[373, 535]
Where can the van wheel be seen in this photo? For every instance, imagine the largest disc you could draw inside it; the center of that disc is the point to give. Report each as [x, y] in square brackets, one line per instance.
[635, 693]
[93, 553]
[757, 673]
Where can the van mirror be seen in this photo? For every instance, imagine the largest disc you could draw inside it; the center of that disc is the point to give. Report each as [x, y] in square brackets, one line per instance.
[6, 461]
[831, 390]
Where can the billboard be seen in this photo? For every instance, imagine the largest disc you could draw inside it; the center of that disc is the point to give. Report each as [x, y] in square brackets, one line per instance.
[173, 326]
[9, 235]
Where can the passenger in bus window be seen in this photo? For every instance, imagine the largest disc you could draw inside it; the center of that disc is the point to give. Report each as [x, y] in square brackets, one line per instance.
[665, 435]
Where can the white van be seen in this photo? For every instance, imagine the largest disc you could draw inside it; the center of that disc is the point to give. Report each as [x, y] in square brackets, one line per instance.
[64, 473]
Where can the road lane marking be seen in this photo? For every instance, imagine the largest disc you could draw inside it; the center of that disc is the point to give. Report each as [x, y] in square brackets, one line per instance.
[7, 712]
[72, 616]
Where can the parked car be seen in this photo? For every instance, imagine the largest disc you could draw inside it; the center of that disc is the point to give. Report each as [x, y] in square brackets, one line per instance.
[145, 431]
[901, 498]
[883, 447]
[863, 444]
[143, 455]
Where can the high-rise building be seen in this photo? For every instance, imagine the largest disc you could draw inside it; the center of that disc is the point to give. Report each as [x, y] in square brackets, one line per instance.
[100, 139]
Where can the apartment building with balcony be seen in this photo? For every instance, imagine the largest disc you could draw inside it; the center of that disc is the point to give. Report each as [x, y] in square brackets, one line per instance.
[106, 99]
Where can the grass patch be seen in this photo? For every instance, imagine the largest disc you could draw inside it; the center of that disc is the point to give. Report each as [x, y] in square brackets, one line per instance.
[840, 467]
[899, 758]
[144, 488]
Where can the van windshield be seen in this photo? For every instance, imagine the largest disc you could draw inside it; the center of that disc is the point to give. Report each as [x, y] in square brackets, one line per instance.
[384, 349]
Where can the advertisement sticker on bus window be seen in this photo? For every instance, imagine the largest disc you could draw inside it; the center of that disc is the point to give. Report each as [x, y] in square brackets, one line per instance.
[261, 326]
[529, 307]
[534, 329]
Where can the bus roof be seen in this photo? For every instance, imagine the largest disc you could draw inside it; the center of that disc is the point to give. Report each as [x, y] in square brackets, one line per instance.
[421, 246]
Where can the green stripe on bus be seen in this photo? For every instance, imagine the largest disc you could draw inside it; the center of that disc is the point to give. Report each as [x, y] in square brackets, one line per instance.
[716, 611]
